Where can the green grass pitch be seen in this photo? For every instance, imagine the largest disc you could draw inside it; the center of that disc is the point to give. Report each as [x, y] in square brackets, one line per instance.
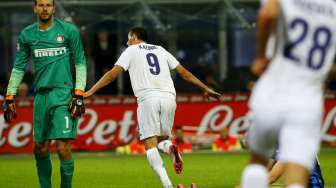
[104, 170]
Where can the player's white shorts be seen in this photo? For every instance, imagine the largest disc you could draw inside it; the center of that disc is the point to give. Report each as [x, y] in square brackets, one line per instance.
[297, 131]
[156, 116]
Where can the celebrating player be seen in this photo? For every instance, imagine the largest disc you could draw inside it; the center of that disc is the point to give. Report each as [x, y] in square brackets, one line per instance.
[286, 105]
[50, 42]
[149, 68]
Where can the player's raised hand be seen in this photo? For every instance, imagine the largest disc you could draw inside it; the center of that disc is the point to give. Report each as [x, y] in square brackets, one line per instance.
[76, 107]
[9, 108]
[208, 92]
[259, 65]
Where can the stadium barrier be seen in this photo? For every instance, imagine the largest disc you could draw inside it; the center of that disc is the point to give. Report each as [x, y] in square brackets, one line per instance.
[111, 121]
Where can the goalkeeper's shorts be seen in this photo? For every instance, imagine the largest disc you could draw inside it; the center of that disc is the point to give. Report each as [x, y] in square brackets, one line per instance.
[52, 119]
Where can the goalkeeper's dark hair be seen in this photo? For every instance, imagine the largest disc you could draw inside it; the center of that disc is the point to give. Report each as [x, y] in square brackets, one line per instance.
[140, 32]
[35, 2]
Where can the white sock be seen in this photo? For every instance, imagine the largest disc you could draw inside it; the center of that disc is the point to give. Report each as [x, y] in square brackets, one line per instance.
[296, 186]
[156, 163]
[255, 176]
[164, 146]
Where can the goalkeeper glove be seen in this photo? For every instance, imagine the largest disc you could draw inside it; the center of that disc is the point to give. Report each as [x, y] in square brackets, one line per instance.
[9, 108]
[76, 107]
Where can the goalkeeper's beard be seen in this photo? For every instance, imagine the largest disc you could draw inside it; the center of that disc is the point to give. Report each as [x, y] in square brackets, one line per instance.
[45, 20]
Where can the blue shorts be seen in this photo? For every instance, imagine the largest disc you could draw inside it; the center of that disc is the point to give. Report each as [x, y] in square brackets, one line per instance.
[316, 179]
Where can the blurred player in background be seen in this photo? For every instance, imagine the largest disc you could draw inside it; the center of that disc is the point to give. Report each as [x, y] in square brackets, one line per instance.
[182, 145]
[51, 42]
[286, 105]
[225, 142]
[149, 68]
[277, 169]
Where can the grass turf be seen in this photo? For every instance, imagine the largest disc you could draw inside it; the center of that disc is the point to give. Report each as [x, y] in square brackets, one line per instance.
[103, 170]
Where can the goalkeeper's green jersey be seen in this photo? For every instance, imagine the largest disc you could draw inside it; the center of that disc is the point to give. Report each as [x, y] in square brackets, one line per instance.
[51, 51]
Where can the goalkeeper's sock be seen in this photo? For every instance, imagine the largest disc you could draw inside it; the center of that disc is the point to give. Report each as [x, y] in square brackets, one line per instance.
[44, 170]
[164, 146]
[255, 175]
[156, 163]
[67, 170]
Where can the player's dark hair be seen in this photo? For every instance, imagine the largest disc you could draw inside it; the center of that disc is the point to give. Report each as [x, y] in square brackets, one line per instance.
[140, 32]
[36, 2]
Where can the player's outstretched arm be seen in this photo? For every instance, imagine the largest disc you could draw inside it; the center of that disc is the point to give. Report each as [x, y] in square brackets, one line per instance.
[276, 171]
[106, 79]
[189, 77]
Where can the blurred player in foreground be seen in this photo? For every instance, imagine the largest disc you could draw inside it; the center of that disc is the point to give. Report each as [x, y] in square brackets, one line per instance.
[276, 170]
[50, 42]
[286, 105]
[149, 68]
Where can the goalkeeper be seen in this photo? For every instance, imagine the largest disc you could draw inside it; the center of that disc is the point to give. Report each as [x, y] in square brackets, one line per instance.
[51, 43]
